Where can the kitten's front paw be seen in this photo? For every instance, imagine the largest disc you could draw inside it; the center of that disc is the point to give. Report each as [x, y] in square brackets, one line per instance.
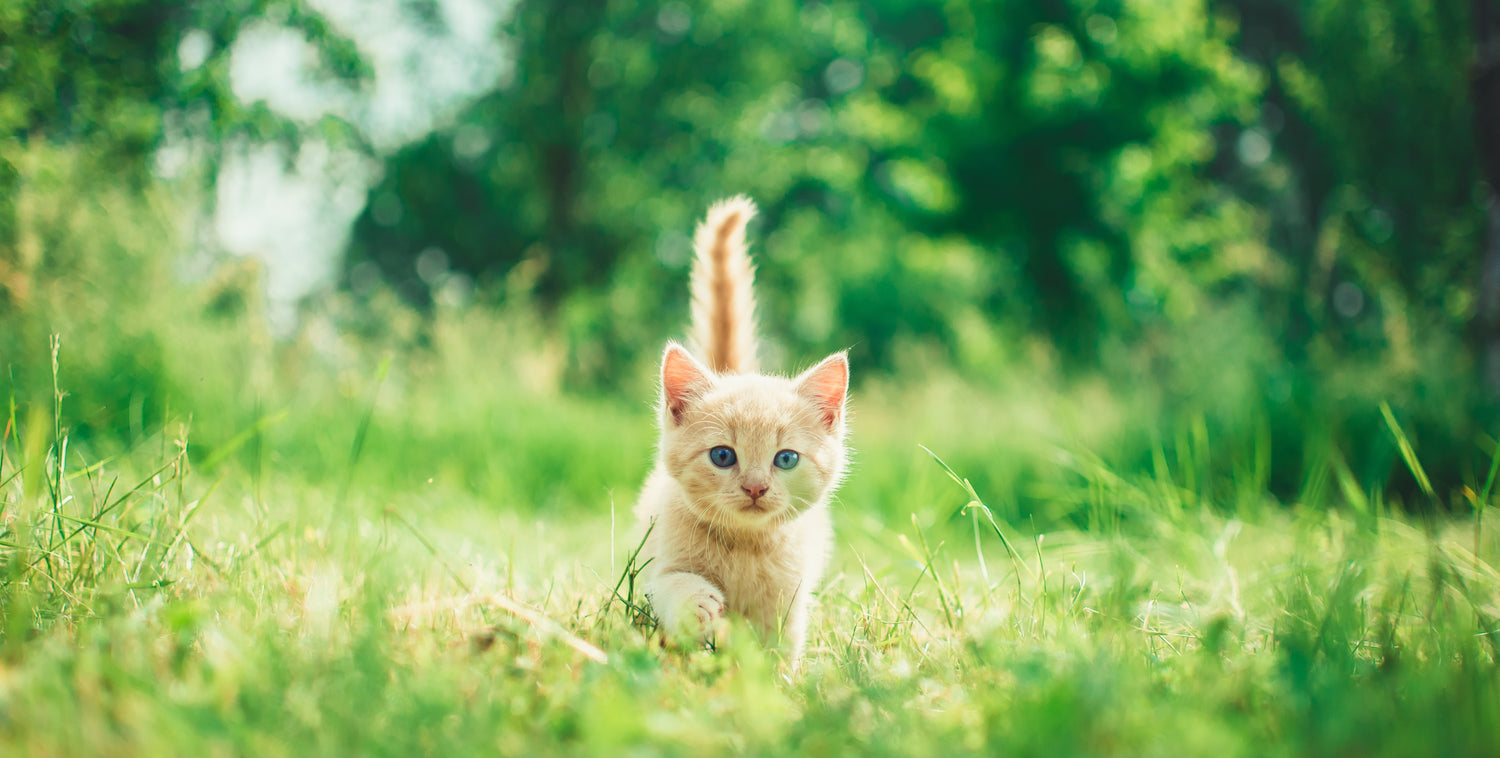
[707, 604]
[692, 608]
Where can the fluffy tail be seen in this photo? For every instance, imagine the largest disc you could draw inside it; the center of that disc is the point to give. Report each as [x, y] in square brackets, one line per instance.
[723, 289]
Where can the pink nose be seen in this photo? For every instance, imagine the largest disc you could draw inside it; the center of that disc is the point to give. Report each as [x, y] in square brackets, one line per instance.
[754, 490]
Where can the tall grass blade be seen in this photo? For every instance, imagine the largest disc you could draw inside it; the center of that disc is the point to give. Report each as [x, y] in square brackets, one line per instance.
[245, 435]
[364, 428]
[976, 502]
[422, 538]
[1484, 499]
[1407, 453]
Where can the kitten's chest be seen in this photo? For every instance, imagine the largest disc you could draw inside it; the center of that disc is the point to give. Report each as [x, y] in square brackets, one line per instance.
[762, 585]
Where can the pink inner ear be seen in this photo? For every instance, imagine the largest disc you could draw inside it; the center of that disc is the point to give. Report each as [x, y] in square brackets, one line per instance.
[681, 376]
[826, 384]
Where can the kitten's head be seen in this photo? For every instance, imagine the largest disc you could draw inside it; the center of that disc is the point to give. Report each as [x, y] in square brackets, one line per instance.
[749, 450]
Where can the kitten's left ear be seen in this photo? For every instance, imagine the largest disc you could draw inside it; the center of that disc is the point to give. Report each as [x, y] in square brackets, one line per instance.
[681, 378]
[827, 384]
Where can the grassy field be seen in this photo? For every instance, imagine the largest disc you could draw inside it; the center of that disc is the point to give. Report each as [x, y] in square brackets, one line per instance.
[428, 560]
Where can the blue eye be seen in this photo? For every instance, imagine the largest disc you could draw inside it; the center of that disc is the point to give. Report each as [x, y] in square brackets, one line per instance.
[786, 460]
[722, 456]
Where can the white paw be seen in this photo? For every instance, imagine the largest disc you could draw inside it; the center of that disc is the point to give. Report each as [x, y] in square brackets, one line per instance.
[691, 607]
[707, 606]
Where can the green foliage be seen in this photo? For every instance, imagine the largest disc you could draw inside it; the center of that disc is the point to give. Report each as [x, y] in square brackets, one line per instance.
[89, 274]
[924, 171]
[112, 73]
[1396, 59]
[109, 83]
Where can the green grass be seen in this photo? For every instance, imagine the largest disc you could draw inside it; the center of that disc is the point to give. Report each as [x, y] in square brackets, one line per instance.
[324, 596]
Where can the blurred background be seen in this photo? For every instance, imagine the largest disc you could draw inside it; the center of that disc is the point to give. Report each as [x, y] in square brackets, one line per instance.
[412, 242]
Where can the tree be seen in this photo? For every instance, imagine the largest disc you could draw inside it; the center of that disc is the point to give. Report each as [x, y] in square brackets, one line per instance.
[865, 130]
[107, 77]
[1485, 93]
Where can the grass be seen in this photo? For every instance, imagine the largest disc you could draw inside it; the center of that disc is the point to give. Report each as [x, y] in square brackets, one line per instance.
[257, 607]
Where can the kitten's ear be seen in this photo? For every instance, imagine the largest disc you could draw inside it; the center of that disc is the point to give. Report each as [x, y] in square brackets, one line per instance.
[827, 384]
[681, 378]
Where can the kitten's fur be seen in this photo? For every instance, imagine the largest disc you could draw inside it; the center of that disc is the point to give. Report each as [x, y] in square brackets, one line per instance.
[716, 546]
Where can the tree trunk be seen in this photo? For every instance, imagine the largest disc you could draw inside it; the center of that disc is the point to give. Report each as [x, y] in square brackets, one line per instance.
[1485, 92]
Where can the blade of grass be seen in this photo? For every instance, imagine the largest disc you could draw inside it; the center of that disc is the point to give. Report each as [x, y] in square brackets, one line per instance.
[91, 468]
[929, 557]
[150, 478]
[275, 532]
[977, 502]
[59, 442]
[1484, 499]
[10, 425]
[1347, 483]
[245, 435]
[1408, 454]
[364, 428]
[187, 516]
[111, 529]
[533, 617]
[430, 547]
[629, 572]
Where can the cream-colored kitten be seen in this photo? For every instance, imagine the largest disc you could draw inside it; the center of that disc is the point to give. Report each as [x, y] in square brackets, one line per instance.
[746, 463]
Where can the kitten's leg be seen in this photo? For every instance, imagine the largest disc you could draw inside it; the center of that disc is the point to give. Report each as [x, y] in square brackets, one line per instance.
[687, 604]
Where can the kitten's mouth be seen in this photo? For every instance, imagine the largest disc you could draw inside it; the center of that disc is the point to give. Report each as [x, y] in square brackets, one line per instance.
[754, 507]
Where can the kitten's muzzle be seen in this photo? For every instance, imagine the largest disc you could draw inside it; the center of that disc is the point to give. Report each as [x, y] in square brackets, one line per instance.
[755, 490]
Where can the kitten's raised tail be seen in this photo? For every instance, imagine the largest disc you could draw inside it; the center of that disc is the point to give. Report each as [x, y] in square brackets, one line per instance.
[723, 289]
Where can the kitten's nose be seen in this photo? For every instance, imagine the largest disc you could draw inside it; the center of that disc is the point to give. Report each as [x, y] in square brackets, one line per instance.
[754, 490]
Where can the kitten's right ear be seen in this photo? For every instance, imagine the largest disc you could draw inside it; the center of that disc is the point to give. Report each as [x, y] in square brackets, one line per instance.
[681, 379]
[827, 385]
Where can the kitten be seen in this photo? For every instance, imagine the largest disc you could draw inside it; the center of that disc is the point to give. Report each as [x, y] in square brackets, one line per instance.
[746, 462]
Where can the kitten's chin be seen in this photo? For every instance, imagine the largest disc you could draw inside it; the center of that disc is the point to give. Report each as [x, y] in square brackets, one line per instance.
[766, 515]
[758, 514]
